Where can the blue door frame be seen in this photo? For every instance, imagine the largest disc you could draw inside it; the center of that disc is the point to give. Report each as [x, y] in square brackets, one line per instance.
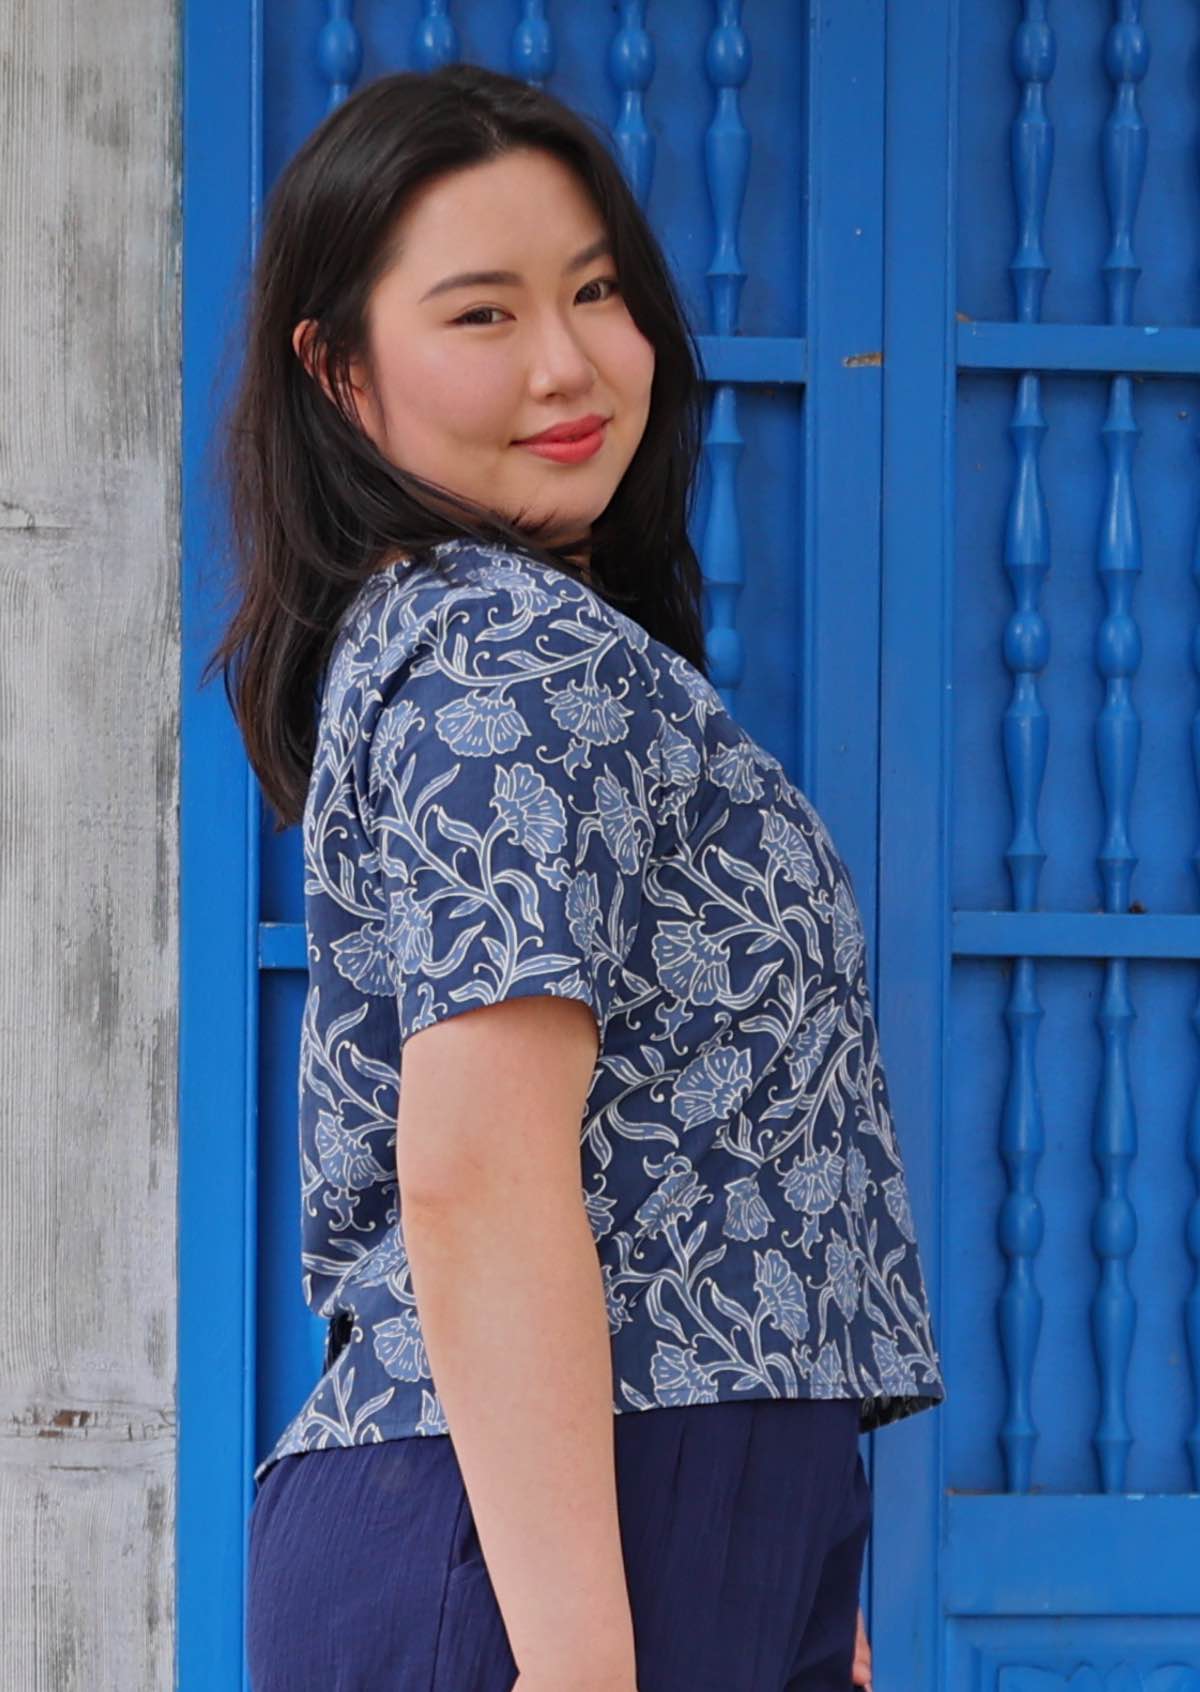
[831, 643]
[219, 892]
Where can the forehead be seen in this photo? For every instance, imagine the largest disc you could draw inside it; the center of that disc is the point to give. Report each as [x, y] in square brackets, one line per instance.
[527, 202]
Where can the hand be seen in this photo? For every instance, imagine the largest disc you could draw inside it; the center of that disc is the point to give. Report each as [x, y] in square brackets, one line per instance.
[862, 1656]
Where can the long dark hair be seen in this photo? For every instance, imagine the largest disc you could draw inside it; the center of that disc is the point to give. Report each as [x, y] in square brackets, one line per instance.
[314, 505]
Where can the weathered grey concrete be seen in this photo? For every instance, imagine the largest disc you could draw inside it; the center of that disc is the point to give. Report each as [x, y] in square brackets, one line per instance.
[89, 734]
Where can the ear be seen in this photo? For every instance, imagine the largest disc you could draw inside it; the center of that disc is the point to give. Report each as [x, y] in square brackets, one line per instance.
[315, 363]
[303, 337]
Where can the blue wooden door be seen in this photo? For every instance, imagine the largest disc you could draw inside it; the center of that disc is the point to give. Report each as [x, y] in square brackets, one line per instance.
[756, 146]
[1037, 941]
[947, 522]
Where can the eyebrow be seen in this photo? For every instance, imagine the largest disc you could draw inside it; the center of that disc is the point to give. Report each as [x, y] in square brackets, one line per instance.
[512, 278]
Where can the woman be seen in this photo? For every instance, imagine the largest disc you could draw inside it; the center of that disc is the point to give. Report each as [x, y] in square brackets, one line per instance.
[549, 878]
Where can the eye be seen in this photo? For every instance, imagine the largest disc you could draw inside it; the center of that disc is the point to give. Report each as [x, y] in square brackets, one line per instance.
[475, 318]
[599, 281]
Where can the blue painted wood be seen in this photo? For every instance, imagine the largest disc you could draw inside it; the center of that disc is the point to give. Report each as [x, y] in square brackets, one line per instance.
[834, 170]
[1139, 349]
[1074, 934]
[219, 896]
[769, 360]
[1004, 1556]
[1062, 683]
[434, 38]
[973, 934]
[532, 54]
[727, 163]
[631, 63]
[913, 847]
[918, 527]
[1191, 1312]
[339, 50]
[1025, 735]
[1118, 737]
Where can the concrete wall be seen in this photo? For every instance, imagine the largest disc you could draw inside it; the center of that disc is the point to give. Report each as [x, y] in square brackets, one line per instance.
[89, 734]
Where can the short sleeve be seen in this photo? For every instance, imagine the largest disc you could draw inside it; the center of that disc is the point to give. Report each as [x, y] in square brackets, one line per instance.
[508, 808]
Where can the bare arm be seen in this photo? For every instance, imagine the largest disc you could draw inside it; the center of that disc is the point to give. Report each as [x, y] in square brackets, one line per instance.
[488, 1160]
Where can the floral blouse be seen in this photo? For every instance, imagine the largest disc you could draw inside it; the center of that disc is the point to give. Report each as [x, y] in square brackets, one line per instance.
[517, 790]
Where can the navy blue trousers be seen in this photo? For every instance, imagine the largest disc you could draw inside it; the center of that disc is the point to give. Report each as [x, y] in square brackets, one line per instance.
[743, 1530]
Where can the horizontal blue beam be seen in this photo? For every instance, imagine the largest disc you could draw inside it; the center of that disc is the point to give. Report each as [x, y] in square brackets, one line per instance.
[1069, 1554]
[1074, 934]
[974, 934]
[769, 360]
[282, 945]
[1104, 349]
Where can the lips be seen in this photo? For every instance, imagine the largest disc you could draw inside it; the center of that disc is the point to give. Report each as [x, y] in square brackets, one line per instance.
[575, 430]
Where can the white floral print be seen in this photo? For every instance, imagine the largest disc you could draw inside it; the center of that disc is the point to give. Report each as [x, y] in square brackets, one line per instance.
[517, 789]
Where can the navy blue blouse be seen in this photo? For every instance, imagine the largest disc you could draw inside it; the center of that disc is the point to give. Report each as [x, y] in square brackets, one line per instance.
[517, 790]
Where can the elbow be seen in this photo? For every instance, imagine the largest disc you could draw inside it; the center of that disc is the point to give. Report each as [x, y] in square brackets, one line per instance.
[429, 1182]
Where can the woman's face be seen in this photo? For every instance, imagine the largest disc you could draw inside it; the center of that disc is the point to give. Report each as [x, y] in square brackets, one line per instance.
[467, 365]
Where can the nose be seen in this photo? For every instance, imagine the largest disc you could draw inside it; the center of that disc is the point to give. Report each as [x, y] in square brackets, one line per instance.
[559, 360]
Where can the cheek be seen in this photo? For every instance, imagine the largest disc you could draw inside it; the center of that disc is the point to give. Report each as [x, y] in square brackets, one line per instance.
[633, 359]
[437, 388]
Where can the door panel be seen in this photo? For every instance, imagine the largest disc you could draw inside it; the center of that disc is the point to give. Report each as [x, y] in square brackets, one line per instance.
[1039, 818]
[755, 137]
